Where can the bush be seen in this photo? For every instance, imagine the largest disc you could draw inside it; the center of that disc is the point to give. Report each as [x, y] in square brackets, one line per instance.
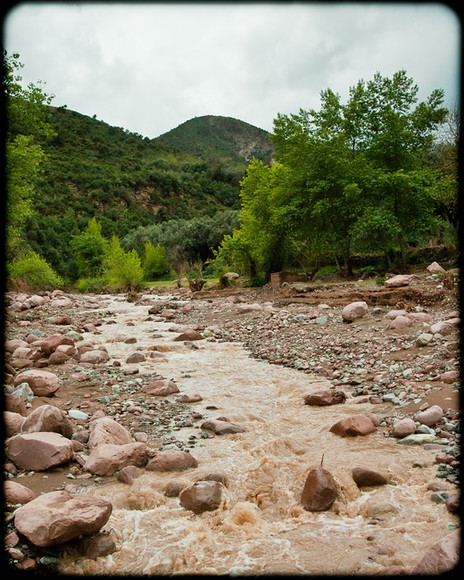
[33, 272]
[122, 270]
[89, 285]
[155, 262]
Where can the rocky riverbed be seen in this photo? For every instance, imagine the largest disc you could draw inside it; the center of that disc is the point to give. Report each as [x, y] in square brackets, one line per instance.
[207, 414]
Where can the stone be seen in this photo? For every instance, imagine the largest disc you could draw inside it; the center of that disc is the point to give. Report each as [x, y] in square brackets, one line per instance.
[16, 404]
[435, 268]
[444, 327]
[107, 430]
[441, 557]
[325, 397]
[135, 357]
[403, 428]
[417, 439]
[50, 344]
[12, 422]
[161, 388]
[430, 416]
[188, 335]
[95, 356]
[172, 460]
[173, 488]
[185, 398]
[354, 311]
[397, 281]
[424, 339]
[42, 383]
[365, 477]
[392, 314]
[15, 493]
[108, 458]
[48, 418]
[353, 426]
[450, 376]
[400, 322]
[129, 473]
[221, 427]
[320, 490]
[96, 546]
[201, 496]
[58, 517]
[39, 451]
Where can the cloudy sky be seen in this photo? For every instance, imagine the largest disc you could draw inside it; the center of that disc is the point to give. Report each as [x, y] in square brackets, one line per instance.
[150, 66]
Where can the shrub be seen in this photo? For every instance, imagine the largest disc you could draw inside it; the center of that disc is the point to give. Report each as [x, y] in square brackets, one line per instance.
[155, 262]
[34, 272]
[89, 285]
[122, 270]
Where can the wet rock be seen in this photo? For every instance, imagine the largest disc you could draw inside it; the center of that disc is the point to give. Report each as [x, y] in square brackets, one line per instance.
[403, 428]
[453, 503]
[201, 496]
[39, 451]
[325, 397]
[129, 473]
[430, 416]
[15, 493]
[95, 356]
[188, 335]
[161, 388]
[220, 477]
[48, 418]
[184, 398]
[108, 458]
[58, 517]
[221, 427]
[353, 426]
[365, 477]
[107, 430]
[96, 546]
[42, 383]
[441, 557]
[12, 422]
[173, 488]
[417, 439]
[172, 460]
[354, 311]
[320, 490]
[135, 357]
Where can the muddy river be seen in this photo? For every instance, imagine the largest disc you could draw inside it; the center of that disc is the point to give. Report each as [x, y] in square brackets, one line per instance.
[261, 527]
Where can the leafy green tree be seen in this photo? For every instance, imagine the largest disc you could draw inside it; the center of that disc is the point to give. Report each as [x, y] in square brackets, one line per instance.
[90, 247]
[27, 129]
[33, 272]
[121, 270]
[155, 263]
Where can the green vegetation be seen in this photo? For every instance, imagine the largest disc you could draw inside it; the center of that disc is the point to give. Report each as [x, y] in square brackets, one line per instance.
[33, 273]
[367, 176]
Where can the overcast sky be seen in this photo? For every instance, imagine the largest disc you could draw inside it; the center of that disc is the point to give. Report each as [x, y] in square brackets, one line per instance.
[148, 67]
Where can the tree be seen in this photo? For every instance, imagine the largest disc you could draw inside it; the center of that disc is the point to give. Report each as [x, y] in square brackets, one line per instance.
[27, 128]
[155, 262]
[121, 270]
[90, 248]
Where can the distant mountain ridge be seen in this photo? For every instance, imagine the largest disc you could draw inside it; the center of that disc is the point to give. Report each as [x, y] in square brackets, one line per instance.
[213, 138]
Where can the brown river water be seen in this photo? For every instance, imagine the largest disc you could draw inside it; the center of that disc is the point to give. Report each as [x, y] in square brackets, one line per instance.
[261, 527]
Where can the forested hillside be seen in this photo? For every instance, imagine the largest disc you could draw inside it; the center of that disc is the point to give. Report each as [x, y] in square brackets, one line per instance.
[126, 181]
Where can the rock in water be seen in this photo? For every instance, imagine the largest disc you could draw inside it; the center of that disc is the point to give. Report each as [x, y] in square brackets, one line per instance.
[353, 426]
[327, 397]
[320, 490]
[58, 517]
[201, 496]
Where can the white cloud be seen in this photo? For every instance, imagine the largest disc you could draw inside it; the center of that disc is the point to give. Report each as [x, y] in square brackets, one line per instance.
[149, 67]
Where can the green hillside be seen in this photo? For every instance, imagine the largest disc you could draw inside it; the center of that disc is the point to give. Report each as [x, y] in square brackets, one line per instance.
[126, 180]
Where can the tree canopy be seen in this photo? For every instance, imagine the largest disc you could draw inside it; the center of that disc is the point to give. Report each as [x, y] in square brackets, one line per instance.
[349, 177]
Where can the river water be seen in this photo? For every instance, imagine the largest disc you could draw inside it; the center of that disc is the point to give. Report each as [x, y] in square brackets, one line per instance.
[261, 527]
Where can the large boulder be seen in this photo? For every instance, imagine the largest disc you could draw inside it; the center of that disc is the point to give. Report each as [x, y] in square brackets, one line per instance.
[366, 477]
[107, 458]
[39, 451]
[172, 460]
[354, 311]
[201, 496]
[58, 517]
[319, 491]
[48, 418]
[353, 426]
[17, 493]
[441, 557]
[107, 430]
[42, 383]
